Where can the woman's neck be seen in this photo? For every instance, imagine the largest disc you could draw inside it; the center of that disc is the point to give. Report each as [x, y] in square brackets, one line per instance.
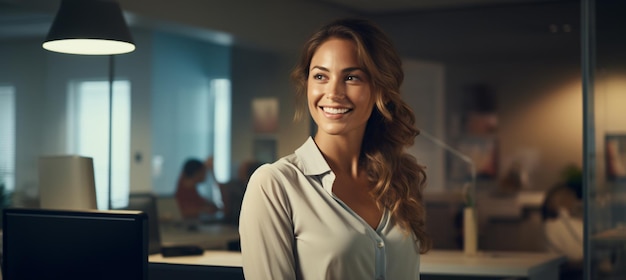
[341, 153]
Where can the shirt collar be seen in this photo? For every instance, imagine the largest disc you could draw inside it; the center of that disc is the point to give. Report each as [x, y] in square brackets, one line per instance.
[311, 160]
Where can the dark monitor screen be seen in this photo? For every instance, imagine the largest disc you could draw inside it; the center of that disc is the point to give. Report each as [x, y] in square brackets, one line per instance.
[59, 244]
[147, 203]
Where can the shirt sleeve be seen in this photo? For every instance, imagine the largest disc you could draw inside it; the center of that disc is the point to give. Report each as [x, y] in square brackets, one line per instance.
[265, 228]
[564, 235]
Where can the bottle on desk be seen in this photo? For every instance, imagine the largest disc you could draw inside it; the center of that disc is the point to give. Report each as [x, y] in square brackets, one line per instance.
[470, 231]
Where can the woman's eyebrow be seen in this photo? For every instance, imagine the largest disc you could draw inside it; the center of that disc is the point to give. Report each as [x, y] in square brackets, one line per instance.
[320, 68]
[349, 69]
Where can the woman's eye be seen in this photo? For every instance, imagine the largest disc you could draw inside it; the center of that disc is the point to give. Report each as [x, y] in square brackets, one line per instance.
[352, 78]
[318, 77]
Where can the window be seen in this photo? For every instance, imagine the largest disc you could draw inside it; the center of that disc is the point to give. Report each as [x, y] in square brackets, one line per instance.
[88, 117]
[7, 137]
[221, 91]
[221, 140]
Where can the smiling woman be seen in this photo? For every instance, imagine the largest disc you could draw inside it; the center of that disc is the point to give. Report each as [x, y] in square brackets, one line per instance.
[348, 203]
[338, 92]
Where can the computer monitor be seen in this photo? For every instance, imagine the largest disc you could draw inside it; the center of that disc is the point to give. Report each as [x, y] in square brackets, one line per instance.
[146, 202]
[72, 244]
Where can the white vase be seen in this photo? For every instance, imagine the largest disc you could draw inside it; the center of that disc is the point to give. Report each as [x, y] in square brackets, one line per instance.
[470, 231]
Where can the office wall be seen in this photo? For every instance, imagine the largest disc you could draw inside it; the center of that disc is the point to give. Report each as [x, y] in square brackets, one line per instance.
[539, 113]
[259, 73]
[423, 89]
[609, 98]
[137, 66]
[182, 115]
[22, 67]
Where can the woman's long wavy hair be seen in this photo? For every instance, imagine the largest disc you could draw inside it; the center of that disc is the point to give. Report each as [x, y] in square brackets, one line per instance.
[398, 179]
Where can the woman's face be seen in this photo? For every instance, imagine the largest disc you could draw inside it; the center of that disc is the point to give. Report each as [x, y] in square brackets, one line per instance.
[339, 94]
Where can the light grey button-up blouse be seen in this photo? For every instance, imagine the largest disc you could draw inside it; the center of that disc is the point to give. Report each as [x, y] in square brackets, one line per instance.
[293, 227]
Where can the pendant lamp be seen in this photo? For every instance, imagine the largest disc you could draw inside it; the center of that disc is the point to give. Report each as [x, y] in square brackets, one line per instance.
[89, 27]
[92, 27]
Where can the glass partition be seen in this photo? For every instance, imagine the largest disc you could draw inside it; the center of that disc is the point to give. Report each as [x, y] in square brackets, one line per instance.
[605, 139]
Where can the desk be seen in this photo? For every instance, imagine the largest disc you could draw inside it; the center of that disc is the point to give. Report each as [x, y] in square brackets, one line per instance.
[214, 258]
[223, 265]
[617, 234]
[208, 236]
[532, 266]
[609, 248]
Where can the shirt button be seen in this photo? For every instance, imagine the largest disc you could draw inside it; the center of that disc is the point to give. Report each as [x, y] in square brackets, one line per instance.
[381, 244]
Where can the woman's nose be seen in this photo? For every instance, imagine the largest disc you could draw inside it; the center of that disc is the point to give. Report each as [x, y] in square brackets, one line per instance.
[335, 90]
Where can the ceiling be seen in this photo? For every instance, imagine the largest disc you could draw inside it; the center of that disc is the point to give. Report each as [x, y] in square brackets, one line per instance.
[379, 7]
[509, 24]
[29, 17]
[18, 22]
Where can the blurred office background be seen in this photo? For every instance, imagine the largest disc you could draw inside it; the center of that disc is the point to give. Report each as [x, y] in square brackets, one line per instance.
[501, 81]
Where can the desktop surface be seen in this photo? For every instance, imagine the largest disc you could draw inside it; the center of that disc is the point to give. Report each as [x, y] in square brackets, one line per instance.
[214, 236]
[436, 264]
[532, 265]
[223, 265]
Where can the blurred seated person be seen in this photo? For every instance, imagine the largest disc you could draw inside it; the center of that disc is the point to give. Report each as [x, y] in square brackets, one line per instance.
[191, 204]
[232, 191]
[563, 228]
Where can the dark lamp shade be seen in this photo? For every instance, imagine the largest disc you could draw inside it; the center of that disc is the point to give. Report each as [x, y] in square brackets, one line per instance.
[89, 27]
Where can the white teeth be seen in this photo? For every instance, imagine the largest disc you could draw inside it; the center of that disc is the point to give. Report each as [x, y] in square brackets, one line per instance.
[335, 110]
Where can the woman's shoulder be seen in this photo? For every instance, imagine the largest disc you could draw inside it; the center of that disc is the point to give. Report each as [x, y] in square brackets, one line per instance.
[280, 170]
[274, 182]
